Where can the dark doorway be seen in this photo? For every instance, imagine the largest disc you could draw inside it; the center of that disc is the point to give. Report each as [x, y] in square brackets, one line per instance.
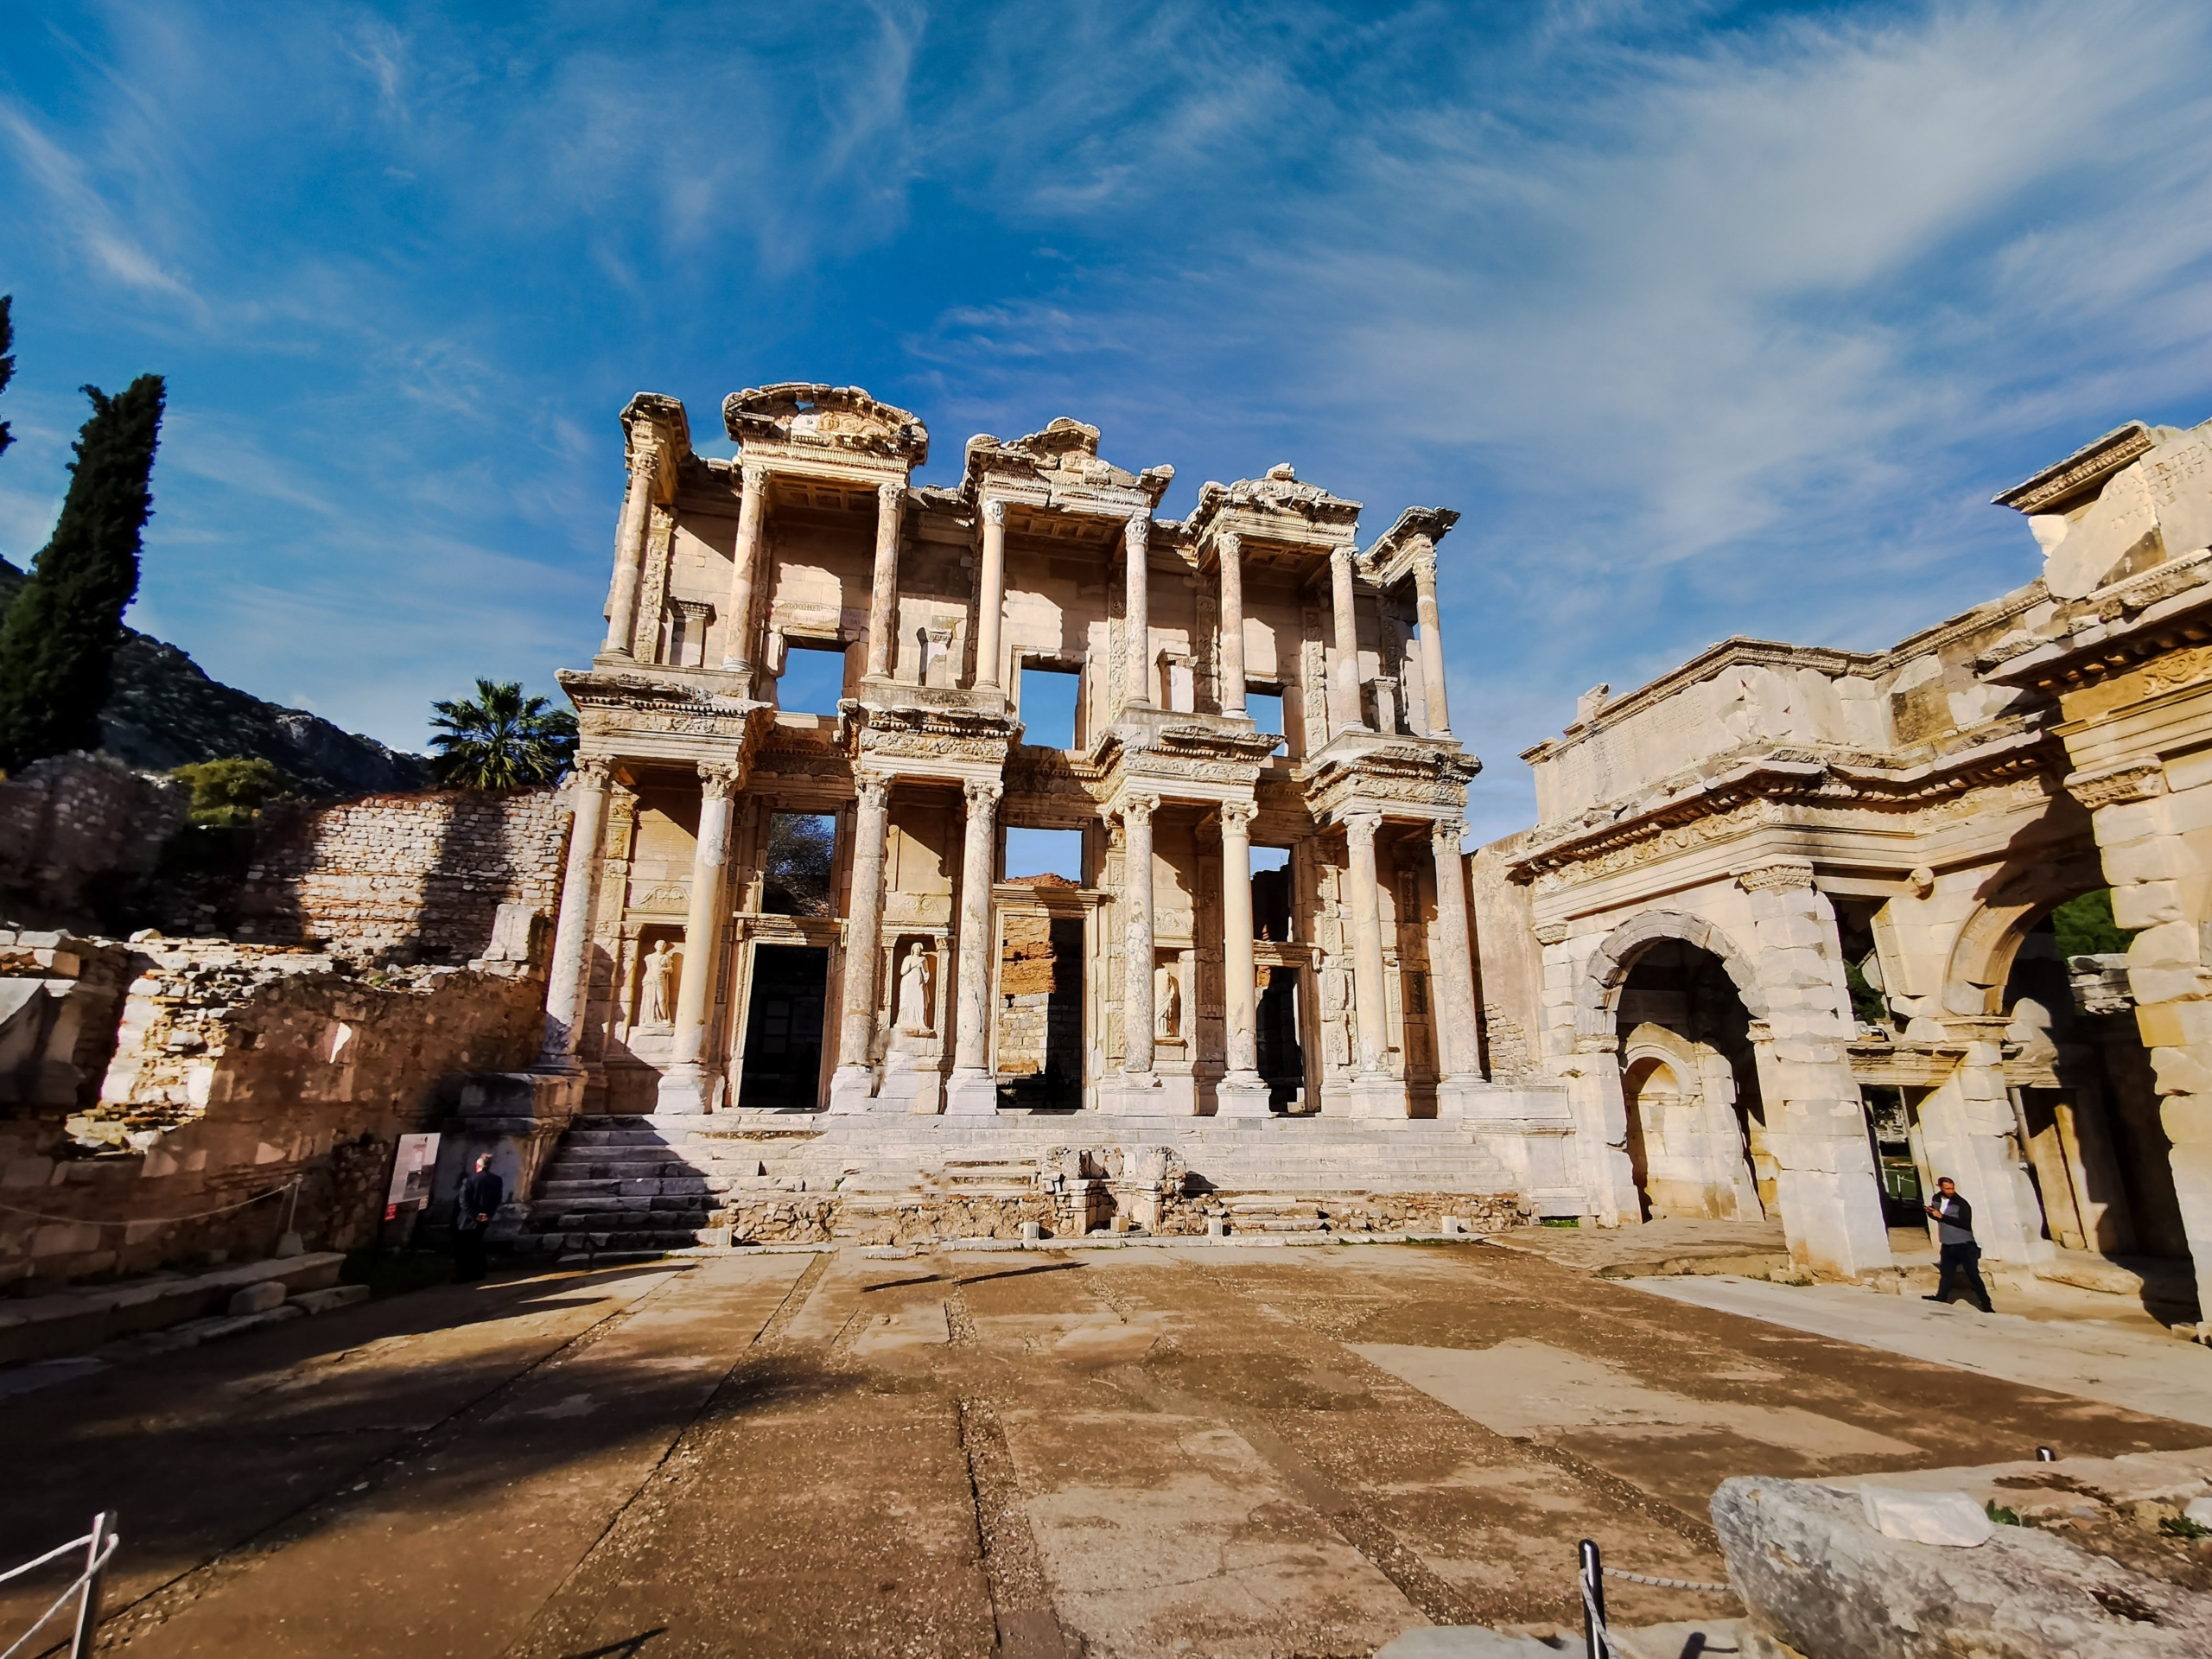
[1056, 1083]
[1889, 1127]
[782, 1031]
[1282, 1061]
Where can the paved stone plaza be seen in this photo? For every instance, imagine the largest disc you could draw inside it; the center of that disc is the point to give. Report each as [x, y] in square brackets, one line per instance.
[1205, 1448]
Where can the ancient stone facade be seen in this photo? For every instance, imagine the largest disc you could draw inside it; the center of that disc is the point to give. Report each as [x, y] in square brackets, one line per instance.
[1254, 923]
[1792, 905]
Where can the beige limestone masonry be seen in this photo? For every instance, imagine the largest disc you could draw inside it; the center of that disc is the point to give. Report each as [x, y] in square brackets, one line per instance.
[1719, 852]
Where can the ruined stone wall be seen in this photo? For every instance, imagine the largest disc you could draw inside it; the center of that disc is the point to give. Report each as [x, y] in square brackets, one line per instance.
[238, 1070]
[1508, 966]
[402, 877]
[69, 819]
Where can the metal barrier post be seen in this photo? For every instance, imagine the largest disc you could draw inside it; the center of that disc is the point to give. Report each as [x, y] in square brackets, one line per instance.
[1594, 1602]
[88, 1610]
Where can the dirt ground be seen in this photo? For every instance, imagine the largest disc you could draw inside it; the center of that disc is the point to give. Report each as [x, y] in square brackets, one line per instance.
[1218, 1450]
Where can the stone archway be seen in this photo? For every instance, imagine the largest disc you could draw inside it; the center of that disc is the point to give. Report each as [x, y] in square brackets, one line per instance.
[1597, 997]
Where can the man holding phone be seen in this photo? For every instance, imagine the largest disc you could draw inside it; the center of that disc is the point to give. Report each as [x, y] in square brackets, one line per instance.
[1960, 1255]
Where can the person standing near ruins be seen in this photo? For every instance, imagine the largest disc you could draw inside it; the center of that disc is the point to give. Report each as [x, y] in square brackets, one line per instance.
[481, 1193]
[1960, 1255]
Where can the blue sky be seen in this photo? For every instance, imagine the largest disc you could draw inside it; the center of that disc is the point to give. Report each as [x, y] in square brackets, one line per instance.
[1711, 320]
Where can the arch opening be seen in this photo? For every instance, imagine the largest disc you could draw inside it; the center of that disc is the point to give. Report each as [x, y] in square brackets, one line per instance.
[1689, 1082]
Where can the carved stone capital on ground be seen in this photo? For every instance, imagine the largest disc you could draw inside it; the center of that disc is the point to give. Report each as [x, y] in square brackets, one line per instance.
[718, 779]
[2139, 780]
[1775, 878]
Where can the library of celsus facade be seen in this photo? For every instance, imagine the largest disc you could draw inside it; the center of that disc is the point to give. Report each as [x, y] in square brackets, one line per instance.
[787, 902]
[942, 824]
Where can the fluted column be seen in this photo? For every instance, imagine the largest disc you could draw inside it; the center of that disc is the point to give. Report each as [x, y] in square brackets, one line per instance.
[567, 984]
[1136, 542]
[1373, 1012]
[854, 1080]
[990, 605]
[883, 597]
[1346, 716]
[1432, 645]
[1137, 938]
[745, 564]
[1231, 553]
[630, 551]
[688, 1085]
[1452, 985]
[973, 1090]
[1241, 1093]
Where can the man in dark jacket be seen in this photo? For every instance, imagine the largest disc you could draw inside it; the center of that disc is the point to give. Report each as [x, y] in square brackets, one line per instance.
[481, 1194]
[1962, 1256]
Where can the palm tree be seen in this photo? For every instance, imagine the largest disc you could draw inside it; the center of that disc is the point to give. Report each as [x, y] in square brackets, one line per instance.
[501, 740]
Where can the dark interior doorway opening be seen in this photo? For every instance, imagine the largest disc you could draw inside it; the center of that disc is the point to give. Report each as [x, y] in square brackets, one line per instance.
[783, 1027]
[1282, 1058]
[1042, 1058]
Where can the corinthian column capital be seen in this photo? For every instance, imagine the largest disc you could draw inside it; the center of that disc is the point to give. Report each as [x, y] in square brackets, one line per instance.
[994, 512]
[755, 474]
[1361, 826]
[890, 497]
[983, 791]
[594, 773]
[1448, 832]
[718, 780]
[1238, 814]
[1137, 531]
[1140, 806]
[873, 789]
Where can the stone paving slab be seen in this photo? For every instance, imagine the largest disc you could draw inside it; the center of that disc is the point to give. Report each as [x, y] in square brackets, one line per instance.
[2161, 1377]
[1223, 1448]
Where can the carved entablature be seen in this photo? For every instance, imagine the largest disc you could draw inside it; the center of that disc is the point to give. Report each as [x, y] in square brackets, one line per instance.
[916, 742]
[1398, 776]
[1059, 468]
[2057, 488]
[798, 416]
[1277, 520]
[633, 717]
[657, 433]
[1414, 537]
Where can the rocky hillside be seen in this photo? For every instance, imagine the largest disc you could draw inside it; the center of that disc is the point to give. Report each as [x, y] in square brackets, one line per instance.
[163, 711]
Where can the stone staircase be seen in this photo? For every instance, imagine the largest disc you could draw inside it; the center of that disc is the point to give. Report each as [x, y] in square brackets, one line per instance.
[625, 1185]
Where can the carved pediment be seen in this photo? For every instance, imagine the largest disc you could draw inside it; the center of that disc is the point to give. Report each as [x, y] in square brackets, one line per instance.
[803, 414]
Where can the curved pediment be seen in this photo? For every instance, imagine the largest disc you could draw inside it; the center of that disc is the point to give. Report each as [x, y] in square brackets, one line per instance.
[803, 414]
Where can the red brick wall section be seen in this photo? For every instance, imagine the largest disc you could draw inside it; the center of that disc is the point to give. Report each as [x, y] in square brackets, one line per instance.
[402, 877]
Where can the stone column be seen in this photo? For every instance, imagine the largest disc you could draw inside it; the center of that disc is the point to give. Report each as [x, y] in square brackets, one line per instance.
[854, 1082]
[883, 598]
[1136, 542]
[990, 607]
[1432, 645]
[737, 642]
[567, 982]
[687, 1085]
[1343, 692]
[1451, 981]
[1232, 624]
[1137, 1011]
[630, 551]
[1241, 1093]
[1374, 1024]
[974, 1088]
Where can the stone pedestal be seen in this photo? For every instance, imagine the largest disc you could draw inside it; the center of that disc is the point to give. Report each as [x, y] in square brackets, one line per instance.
[972, 1094]
[910, 1083]
[1383, 1097]
[852, 1089]
[1133, 1094]
[1237, 1096]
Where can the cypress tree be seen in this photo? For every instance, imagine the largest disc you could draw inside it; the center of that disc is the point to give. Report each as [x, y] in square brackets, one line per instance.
[7, 361]
[58, 643]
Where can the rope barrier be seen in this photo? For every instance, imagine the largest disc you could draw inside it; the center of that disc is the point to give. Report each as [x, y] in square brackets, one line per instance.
[154, 1221]
[104, 1541]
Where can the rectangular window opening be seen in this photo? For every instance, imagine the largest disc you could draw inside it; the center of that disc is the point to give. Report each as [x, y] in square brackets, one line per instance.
[813, 677]
[1033, 853]
[1264, 704]
[802, 851]
[1271, 906]
[1048, 699]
